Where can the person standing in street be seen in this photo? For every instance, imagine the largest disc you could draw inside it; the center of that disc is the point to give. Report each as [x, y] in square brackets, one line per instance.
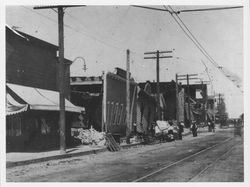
[181, 129]
[212, 126]
[194, 128]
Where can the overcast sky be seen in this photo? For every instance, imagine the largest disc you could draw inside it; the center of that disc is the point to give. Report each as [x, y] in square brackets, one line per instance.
[101, 35]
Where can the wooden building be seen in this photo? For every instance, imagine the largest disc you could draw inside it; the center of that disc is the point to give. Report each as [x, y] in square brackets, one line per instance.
[32, 97]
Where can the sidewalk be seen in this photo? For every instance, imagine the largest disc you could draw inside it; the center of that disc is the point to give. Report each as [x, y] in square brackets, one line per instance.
[20, 158]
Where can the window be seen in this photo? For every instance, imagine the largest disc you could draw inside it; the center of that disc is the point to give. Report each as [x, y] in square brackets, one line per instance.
[13, 125]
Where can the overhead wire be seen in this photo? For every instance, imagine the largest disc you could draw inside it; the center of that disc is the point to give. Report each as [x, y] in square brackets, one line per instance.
[101, 41]
[195, 39]
[208, 9]
[197, 43]
[190, 37]
[151, 8]
[84, 33]
[187, 10]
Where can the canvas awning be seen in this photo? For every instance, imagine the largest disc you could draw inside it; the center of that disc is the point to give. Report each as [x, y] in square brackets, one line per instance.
[13, 106]
[36, 99]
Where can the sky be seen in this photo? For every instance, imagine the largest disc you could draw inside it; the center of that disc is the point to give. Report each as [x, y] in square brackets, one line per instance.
[101, 35]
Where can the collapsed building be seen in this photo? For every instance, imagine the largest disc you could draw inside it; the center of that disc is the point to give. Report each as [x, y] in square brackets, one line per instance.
[104, 99]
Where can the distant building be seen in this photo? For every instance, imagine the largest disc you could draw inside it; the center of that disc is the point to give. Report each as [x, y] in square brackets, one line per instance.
[198, 94]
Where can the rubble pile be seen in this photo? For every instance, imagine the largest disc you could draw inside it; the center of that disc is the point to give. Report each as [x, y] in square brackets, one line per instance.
[91, 137]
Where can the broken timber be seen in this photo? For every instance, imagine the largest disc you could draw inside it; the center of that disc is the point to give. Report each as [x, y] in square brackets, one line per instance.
[111, 143]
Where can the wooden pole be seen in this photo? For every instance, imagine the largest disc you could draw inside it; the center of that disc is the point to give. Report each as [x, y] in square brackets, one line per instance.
[61, 81]
[177, 98]
[104, 104]
[189, 112]
[204, 90]
[128, 131]
[158, 76]
[61, 73]
[214, 107]
[158, 85]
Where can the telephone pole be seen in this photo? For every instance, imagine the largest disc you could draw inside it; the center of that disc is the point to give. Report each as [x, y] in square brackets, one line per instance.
[128, 131]
[60, 12]
[177, 98]
[157, 57]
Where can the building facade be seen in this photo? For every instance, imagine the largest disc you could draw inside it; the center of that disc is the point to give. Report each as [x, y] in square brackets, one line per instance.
[32, 97]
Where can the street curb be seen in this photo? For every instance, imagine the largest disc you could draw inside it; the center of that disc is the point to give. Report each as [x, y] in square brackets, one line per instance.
[56, 157]
[69, 155]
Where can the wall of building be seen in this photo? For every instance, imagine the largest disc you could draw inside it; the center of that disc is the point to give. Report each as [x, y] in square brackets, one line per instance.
[33, 62]
[29, 64]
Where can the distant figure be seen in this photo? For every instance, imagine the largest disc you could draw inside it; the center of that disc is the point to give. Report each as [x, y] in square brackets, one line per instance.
[147, 87]
[212, 126]
[171, 131]
[209, 126]
[181, 129]
[194, 128]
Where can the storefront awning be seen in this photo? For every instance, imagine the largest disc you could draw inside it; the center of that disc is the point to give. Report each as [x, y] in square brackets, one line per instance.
[41, 99]
[13, 106]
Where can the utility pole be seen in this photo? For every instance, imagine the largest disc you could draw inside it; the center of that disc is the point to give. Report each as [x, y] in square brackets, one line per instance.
[189, 111]
[128, 131]
[157, 57]
[61, 78]
[177, 98]
[60, 11]
[187, 78]
[204, 102]
[214, 107]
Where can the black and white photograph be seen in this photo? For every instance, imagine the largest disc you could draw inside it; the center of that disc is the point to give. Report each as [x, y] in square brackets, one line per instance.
[135, 92]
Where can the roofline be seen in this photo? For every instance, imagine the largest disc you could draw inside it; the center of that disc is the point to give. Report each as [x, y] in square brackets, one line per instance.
[36, 40]
[31, 38]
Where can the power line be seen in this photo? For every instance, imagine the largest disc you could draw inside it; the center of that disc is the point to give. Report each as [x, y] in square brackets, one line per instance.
[188, 10]
[79, 21]
[95, 38]
[82, 33]
[193, 38]
[190, 37]
[195, 41]
[208, 9]
[151, 8]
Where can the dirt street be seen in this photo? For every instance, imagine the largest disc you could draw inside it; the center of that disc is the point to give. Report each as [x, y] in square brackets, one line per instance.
[210, 157]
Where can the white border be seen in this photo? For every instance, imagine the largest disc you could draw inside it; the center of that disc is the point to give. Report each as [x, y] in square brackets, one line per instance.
[128, 2]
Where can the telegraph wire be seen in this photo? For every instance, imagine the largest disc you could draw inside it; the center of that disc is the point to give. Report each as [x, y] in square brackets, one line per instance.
[84, 26]
[188, 10]
[151, 8]
[208, 9]
[84, 33]
[200, 47]
[194, 38]
[190, 37]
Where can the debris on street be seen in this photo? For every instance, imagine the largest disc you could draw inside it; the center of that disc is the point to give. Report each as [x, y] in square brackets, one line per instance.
[91, 137]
